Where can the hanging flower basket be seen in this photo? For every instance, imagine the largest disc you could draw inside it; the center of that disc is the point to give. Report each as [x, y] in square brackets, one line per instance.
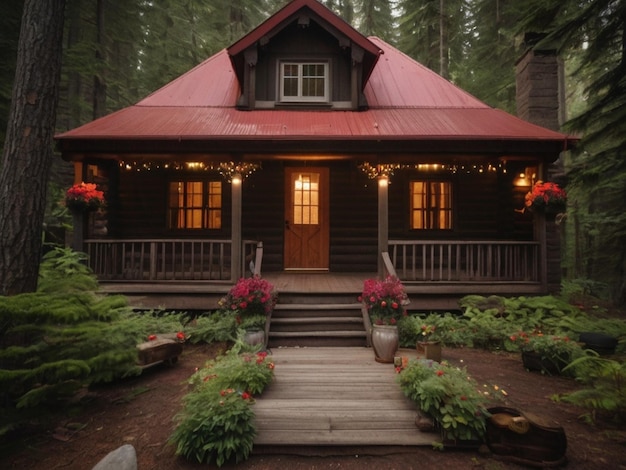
[84, 197]
[546, 197]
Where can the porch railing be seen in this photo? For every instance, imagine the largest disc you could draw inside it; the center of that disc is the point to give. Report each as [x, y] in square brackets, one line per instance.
[466, 261]
[166, 259]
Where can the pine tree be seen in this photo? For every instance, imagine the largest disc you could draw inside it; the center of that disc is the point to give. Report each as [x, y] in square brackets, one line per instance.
[27, 154]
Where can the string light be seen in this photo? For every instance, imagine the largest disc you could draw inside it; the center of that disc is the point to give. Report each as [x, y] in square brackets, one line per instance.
[387, 169]
[227, 169]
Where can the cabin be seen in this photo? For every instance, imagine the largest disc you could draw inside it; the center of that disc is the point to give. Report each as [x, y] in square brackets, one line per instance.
[316, 157]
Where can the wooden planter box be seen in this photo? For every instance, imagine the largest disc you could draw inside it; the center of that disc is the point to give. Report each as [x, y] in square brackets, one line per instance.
[162, 349]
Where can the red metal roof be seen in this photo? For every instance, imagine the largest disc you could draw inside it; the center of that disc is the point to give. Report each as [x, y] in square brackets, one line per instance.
[408, 103]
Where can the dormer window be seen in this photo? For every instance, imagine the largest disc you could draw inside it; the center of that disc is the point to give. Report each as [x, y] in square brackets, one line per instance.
[304, 82]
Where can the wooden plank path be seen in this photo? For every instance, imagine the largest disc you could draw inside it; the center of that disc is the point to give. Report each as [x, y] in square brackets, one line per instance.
[335, 396]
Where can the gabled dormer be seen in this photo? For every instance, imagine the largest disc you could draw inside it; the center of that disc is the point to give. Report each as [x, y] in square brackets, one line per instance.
[304, 56]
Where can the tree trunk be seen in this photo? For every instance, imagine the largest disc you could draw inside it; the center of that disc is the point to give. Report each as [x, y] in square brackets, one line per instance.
[27, 154]
[99, 82]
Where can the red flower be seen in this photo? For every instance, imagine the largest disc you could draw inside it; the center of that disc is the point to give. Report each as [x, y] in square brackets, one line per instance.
[180, 335]
[398, 369]
[394, 305]
[246, 396]
[152, 337]
[439, 373]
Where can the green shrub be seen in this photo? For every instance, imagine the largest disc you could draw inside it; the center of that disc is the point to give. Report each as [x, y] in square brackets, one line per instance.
[449, 396]
[216, 423]
[604, 386]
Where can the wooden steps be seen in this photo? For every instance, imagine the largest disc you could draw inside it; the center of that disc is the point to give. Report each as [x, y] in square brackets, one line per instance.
[335, 397]
[320, 321]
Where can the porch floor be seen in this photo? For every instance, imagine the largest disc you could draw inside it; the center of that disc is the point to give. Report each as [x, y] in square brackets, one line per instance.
[200, 295]
[336, 397]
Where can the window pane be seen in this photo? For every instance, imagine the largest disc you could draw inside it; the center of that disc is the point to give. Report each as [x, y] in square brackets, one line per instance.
[306, 199]
[214, 205]
[304, 81]
[195, 204]
[431, 205]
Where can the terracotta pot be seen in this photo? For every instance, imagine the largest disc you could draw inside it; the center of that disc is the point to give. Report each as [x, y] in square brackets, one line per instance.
[385, 341]
[430, 349]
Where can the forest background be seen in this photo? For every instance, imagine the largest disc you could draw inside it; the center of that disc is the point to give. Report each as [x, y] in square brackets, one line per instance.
[115, 52]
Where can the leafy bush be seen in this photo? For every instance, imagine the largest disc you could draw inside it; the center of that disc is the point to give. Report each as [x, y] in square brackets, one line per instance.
[449, 396]
[216, 423]
[214, 327]
[60, 339]
[604, 388]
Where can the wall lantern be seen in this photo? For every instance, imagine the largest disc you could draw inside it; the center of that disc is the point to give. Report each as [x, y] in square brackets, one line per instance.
[526, 178]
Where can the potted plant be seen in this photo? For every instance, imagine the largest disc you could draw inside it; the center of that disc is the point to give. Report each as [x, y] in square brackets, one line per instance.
[548, 354]
[385, 301]
[546, 197]
[428, 344]
[252, 301]
[83, 197]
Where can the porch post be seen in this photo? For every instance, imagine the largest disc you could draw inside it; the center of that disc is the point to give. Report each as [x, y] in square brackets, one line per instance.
[540, 235]
[383, 221]
[235, 231]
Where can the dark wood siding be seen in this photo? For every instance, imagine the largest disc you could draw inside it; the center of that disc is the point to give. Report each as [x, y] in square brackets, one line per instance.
[141, 211]
[485, 208]
[318, 44]
[263, 212]
[353, 220]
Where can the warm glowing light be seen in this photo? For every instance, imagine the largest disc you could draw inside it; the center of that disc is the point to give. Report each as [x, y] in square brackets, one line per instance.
[383, 181]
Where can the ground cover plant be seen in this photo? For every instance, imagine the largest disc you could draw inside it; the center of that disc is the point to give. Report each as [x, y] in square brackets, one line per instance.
[546, 325]
[216, 423]
[449, 396]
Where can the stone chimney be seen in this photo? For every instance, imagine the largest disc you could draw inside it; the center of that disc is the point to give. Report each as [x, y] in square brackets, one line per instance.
[539, 80]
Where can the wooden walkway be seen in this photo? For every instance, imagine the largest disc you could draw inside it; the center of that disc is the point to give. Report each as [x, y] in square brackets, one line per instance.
[336, 397]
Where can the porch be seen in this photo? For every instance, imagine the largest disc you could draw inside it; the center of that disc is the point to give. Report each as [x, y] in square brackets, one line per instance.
[194, 274]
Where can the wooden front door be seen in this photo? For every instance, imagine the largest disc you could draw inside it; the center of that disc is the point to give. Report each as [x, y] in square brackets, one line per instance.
[306, 218]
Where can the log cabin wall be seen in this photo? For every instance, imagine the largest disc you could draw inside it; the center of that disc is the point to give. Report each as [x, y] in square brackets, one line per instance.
[485, 206]
[263, 209]
[141, 211]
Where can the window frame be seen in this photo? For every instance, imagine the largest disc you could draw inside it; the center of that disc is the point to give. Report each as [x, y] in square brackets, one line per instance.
[429, 209]
[208, 212]
[300, 98]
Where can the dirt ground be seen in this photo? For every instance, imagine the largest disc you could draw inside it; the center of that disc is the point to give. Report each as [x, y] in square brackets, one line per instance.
[140, 411]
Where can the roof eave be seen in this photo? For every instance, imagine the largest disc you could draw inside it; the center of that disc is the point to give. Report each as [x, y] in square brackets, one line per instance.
[547, 150]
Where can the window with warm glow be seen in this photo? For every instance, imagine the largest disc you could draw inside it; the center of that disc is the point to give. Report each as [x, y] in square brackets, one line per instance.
[306, 199]
[304, 81]
[195, 205]
[431, 205]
